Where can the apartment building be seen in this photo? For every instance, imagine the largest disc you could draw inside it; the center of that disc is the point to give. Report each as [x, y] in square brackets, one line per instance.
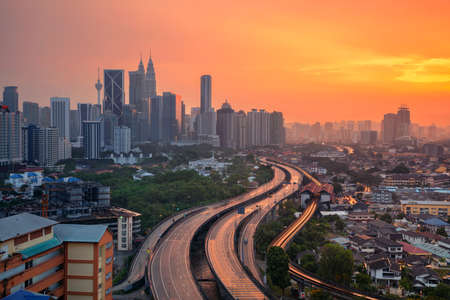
[66, 261]
[437, 208]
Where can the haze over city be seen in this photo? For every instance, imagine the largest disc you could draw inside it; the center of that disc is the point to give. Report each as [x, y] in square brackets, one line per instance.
[352, 60]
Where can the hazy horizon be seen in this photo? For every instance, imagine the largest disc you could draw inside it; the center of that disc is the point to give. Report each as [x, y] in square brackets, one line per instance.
[334, 61]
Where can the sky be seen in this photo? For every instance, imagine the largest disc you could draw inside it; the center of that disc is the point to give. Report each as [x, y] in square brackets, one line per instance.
[312, 60]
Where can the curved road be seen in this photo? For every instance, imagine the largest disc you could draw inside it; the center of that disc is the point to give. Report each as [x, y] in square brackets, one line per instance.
[220, 246]
[170, 271]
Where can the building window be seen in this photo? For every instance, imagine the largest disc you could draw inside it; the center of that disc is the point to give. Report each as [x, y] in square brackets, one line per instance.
[99, 270]
[48, 230]
[108, 276]
[124, 226]
[124, 232]
[124, 240]
[108, 245]
[21, 239]
[36, 234]
[124, 245]
[28, 282]
[28, 264]
[108, 291]
[108, 260]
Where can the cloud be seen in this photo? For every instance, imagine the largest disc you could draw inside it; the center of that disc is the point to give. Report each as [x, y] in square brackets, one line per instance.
[406, 69]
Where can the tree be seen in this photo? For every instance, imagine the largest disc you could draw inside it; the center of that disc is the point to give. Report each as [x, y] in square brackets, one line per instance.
[337, 188]
[319, 294]
[400, 168]
[406, 281]
[363, 282]
[441, 231]
[386, 218]
[308, 262]
[336, 264]
[339, 225]
[440, 292]
[278, 267]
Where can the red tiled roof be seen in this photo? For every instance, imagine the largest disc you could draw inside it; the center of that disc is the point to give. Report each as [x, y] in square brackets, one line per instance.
[410, 249]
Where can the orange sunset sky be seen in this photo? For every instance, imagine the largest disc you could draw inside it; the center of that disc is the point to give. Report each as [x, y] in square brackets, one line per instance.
[312, 60]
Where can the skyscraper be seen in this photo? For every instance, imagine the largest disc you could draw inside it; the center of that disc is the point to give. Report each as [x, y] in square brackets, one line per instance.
[403, 121]
[258, 127]
[156, 105]
[30, 113]
[389, 128]
[150, 80]
[171, 117]
[60, 115]
[241, 130]
[91, 139]
[114, 93]
[205, 93]
[109, 121]
[122, 139]
[30, 143]
[137, 87]
[45, 116]
[86, 112]
[226, 126]
[277, 131]
[75, 124]
[10, 137]
[48, 146]
[11, 98]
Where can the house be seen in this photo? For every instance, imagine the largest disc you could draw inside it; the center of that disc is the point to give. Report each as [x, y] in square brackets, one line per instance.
[413, 237]
[410, 250]
[384, 273]
[394, 249]
[360, 217]
[424, 277]
[323, 192]
[433, 224]
[362, 244]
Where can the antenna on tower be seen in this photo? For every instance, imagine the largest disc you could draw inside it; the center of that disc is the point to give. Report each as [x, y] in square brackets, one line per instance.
[98, 73]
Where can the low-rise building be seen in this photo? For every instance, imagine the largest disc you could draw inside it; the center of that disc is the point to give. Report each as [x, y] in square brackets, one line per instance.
[437, 208]
[61, 260]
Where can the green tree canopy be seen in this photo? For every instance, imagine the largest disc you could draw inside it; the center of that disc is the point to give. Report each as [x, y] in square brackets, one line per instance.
[441, 231]
[278, 267]
[400, 168]
[336, 264]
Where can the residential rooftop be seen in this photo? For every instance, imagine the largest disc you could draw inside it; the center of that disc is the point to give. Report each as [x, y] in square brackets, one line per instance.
[79, 233]
[17, 225]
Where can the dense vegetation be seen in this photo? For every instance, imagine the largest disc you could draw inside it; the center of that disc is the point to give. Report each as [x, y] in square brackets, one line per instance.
[167, 192]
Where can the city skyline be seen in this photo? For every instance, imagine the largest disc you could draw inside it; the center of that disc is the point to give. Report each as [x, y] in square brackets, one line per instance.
[255, 58]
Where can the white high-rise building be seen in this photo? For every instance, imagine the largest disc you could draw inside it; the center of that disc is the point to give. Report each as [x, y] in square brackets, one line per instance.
[48, 146]
[64, 149]
[60, 115]
[10, 137]
[258, 127]
[122, 139]
[91, 139]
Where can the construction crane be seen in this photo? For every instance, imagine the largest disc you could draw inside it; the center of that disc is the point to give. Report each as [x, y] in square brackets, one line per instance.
[44, 202]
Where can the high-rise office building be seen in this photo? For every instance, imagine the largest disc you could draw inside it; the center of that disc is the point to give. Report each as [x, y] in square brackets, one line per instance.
[206, 123]
[91, 139]
[369, 137]
[122, 139]
[30, 113]
[241, 130]
[137, 87]
[10, 137]
[60, 115]
[74, 124]
[150, 80]
[64, 148]
[277, 131]
[11, 98]
[258, 127]
[403, 121]
[205, 93]
[30, 143]
[226, 126]
[45, 116]
[114, 93]
[156, 118]
[171, 117]
[389, 128]
[108, 122]
[48, 146]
